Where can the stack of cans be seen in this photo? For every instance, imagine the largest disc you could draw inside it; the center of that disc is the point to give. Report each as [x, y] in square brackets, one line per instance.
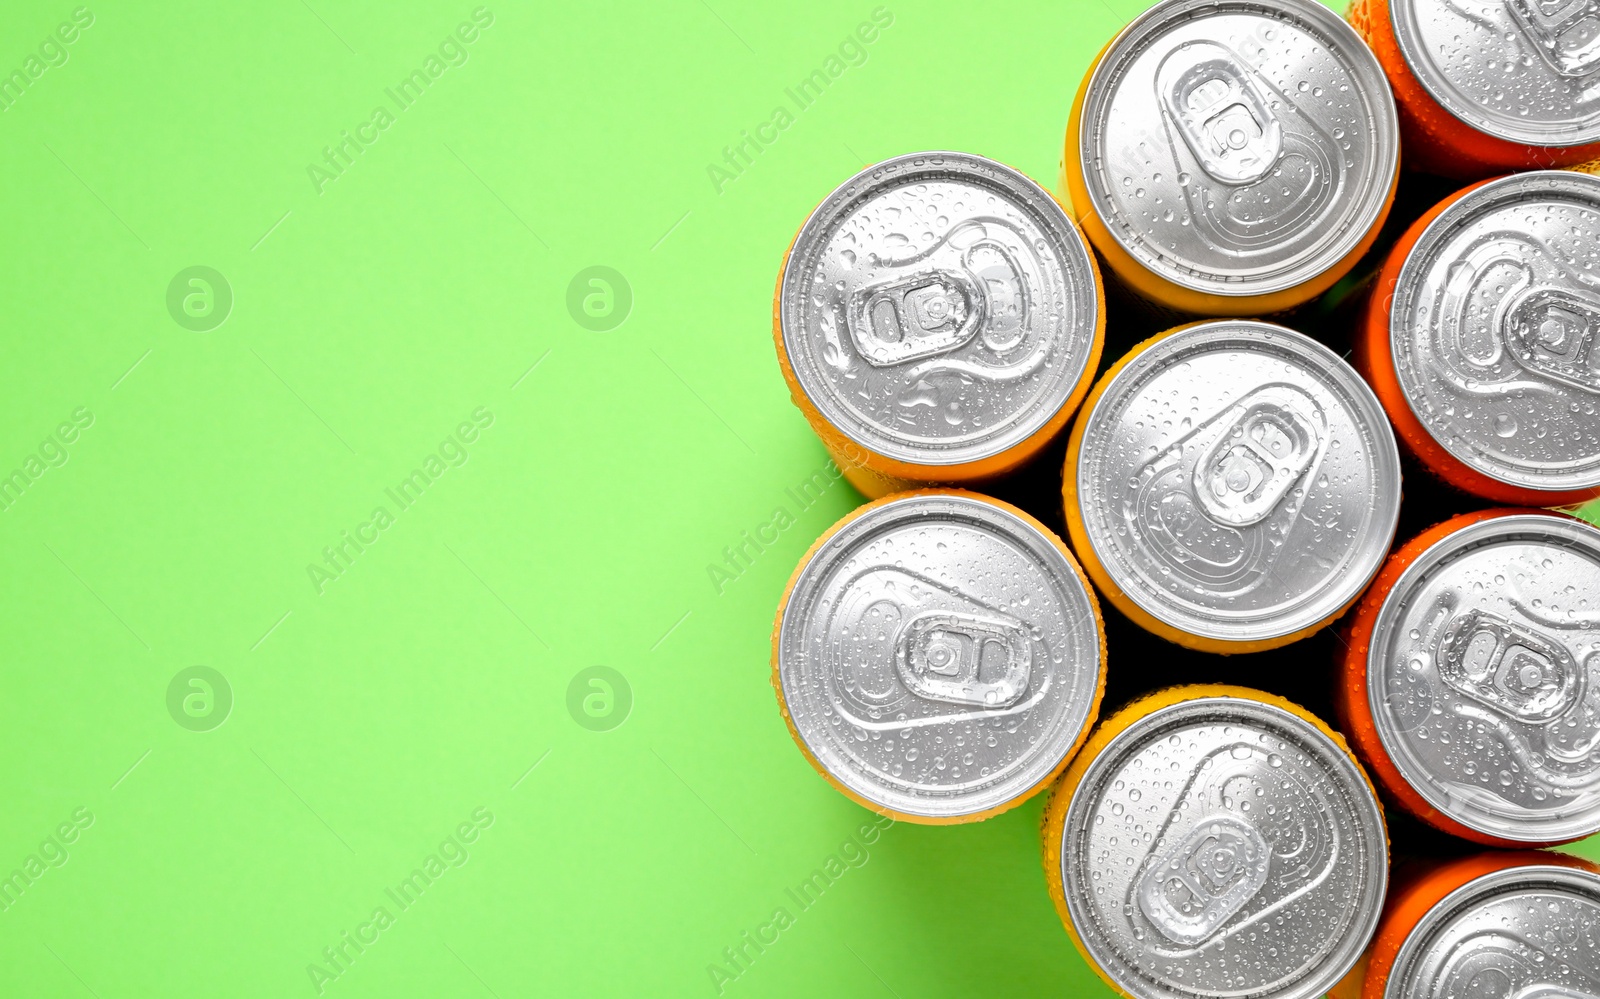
[1231, 485]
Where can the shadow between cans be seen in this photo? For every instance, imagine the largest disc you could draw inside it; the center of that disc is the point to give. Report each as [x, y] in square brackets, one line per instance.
[1330, 319]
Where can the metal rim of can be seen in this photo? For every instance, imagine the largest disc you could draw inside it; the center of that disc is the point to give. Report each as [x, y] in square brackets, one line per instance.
[1479, 532]
[1175, 707]
[1421, 259]
[1438, 87]
[1338, 378]
[1045, 758]
[1481, 889]
[1337, 37]
[1028, 197]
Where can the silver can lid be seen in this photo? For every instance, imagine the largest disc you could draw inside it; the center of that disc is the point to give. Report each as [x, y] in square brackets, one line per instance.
[939, 308]
[1238, 147]
[1526, 71]
[1238, 481]
[939, 656]
[1483, 677]
[1495, 330]
[1524, 932]
[1224, 847]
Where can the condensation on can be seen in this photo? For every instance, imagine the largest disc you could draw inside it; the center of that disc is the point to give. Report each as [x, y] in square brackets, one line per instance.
[937, 318]
[1502, 86]
[1231, 486]
[1482, 339]
[1216, 840]
[1470, 681]
[1232, 157]
[938, 656]
[1522, 923]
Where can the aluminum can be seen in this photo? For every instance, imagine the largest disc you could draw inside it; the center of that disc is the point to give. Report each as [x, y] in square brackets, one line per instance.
[1231, 486]
[938, 319]
[938, 656]
[1470, 682]
[1487, 86]
[1232, 157]
[1519, 923]
[1482, 339]
[1216, 841]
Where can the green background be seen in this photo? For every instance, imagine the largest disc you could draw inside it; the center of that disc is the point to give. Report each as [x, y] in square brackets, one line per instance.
[374, 312]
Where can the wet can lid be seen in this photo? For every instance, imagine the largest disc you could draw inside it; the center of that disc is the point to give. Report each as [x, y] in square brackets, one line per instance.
[939, 308]
[1237, 481]
[1224, 847]
[1238, 147]
[1525, 71]
[1527, 932]
[1495, 330]
[1483, 677]
[940, 656]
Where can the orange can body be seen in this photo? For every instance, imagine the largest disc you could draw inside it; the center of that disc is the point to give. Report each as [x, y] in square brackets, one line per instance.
[944, 350]
[1442, 239]
[1436, 140]
[1189, 228]
[1195, 737]
[1132, 449]
[1418, 891]
[858, 639]
[1401, 589]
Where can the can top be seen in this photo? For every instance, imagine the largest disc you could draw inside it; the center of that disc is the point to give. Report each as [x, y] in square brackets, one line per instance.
[1519, 70]
[1527, 932]
[1238, 147]
[1483, 677]
[1224, 847]
[939, 655]
[1495, 330]
[939, 308]
[1238, 481]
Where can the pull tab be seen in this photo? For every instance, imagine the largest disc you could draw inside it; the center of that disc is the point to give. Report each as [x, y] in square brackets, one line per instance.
[927, 313]
[1223, 115]
[965, 659]
[1552, 332]
[1566, 33]
[1200, 882]
[1272, 437]
[904, 650]
[1198, 507]
[1515, 671]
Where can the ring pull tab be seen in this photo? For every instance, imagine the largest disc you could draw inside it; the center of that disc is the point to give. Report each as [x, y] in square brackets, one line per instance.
[1272, 438]
[1513, 670]
[1223, 115]
[1553, 332]
[1565, 33]
[923, 314]
[1200, 504]
[966, 659]
[1204, 879]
